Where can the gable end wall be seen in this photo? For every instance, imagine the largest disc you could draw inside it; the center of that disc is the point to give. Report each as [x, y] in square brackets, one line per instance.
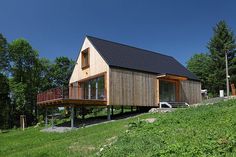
[97, 65]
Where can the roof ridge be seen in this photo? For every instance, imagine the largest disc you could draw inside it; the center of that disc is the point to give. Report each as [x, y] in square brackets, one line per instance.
[149, 51]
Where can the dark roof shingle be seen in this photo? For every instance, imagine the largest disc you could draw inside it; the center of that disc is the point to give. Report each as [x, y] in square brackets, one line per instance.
[124, 56]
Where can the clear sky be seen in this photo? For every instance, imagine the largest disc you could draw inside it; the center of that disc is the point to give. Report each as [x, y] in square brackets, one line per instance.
[55, 28]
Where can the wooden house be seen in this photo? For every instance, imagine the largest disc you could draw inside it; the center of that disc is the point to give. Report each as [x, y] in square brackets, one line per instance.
[107, 73]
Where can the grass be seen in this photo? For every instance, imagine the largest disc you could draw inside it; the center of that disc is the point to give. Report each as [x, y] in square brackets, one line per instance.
[202, 131]
[81, 142]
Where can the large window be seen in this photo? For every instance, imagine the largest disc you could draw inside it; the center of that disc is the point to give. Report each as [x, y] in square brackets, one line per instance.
[167, 91]
[101, 88]
[85, 58]
[94, 88]
[85, 86]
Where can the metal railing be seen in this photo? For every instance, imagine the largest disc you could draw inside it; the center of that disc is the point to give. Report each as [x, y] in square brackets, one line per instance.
[173, 104]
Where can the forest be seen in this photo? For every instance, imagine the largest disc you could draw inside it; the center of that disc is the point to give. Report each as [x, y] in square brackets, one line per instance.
[23, 74]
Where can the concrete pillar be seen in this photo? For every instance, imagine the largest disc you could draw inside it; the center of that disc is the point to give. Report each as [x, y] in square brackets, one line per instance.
[108, 112]
[46, 117]
[72, 117]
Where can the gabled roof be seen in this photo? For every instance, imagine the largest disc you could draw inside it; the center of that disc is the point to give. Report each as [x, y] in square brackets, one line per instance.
[124, 56]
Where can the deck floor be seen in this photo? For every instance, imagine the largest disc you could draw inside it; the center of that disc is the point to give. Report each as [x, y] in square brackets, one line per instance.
[69, 102]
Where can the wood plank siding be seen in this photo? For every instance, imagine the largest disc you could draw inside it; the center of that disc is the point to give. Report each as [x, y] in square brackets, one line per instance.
[110, 63]
[190, 91]
[131, 88]
[96, 63]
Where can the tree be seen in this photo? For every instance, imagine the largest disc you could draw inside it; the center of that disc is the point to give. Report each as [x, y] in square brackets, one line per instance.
[232, 71]
[4, 55]
[24, 83]
[28, 75]
[4, 102]
[45, 75]
[61, 71]
[199, 65]
[223, 41]
[4, 90]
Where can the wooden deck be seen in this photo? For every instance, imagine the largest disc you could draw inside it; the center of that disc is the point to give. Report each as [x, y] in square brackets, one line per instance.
[60, 97]
[62, 102]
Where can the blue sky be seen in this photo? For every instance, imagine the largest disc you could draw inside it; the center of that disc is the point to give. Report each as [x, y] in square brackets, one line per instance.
[58, 27]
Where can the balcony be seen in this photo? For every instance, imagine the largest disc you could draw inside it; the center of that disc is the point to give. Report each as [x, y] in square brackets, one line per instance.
[67, 96]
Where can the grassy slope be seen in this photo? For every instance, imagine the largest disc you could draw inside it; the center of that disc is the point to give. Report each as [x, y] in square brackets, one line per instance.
[201, 131]
[206, 130]
[82, 142]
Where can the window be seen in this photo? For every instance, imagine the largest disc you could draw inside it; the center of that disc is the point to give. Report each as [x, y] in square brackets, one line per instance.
[85, 59]
[94, 88]
[101, 88]
[167, 91]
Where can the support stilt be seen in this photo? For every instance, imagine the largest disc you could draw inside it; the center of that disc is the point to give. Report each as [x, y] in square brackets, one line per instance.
[83, 115]
[131, 108]
[108, 112]
[46, 117]
[72, 117]
[112, 107]
[52, 120]
[122, 109]
[75, 113]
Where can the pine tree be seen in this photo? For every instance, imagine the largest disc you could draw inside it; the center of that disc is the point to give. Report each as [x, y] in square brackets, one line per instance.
[4, 85]
[223, 41]
[4, 55]
[4, 103]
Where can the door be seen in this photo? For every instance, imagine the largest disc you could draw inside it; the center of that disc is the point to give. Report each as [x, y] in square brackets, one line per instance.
[167, 91]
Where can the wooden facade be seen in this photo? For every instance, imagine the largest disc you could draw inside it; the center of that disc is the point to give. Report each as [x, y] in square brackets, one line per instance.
[131, 88]
[97, 65]
[123, 87]
[128, 87]
[190, 91]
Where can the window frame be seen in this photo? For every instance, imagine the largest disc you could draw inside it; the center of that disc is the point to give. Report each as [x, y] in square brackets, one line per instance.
[83, 65]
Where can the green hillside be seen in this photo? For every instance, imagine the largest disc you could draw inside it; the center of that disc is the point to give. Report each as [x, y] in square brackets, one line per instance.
[202, 131]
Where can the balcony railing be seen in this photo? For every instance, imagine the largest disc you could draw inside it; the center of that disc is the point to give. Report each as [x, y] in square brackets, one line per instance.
[71, 93]
[55, 93]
